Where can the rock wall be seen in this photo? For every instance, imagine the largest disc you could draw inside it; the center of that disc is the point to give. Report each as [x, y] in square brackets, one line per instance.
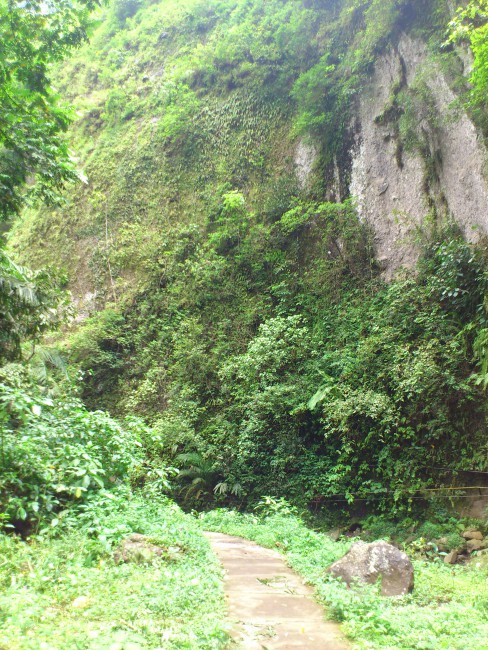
[396, 189]
[304, 160]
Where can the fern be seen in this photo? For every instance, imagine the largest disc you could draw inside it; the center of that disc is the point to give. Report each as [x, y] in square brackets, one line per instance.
[16, 280]
[45, 358]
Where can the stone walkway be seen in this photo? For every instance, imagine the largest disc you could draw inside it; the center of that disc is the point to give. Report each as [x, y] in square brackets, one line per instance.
[270, 605]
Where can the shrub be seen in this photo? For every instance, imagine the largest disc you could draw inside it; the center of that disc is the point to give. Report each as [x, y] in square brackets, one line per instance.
[55, 453]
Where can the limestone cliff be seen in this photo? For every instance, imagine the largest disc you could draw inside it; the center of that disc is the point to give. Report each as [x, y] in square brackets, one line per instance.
[443, 177]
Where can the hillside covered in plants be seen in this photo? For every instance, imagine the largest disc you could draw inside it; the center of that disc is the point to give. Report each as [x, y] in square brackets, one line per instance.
[227, 276]
[243, 288]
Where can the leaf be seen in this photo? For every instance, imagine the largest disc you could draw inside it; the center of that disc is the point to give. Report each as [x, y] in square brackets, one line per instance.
[324, 391]
[36, 409]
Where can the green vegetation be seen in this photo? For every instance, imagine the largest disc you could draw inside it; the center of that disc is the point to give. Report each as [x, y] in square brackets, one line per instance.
[31, 304]
[471, 26]
[73, 485]
[239, 313]
[447, 608]
[181, 101]
[276, 354]
[67, 591]
[54, 454]
[33, 35]
[234, 323]
[35, 163]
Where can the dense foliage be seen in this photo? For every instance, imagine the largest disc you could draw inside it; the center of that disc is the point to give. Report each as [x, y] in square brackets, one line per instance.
[236, 308]
[31, 304]
[278, 361]
[33, 35]
[471, 25]
[53, 453]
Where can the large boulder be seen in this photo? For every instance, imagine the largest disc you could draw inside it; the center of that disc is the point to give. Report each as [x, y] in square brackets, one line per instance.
[474, 545]
[377, 561]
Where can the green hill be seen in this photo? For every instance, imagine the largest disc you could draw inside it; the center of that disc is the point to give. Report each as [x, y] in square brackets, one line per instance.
[233, 279]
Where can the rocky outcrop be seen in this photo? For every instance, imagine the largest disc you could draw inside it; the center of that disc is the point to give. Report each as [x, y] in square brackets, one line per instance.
[472, 534]
[377, 561]
[305, 157]
[451, 557]
[397, 186]
[474, 542]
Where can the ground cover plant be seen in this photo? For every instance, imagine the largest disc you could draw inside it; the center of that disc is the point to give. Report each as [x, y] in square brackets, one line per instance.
[73, 485]
[66, 591]
[447, 609]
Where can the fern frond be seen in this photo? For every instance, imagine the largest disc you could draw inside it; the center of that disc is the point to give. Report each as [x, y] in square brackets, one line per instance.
[15, 279]
[45, 358]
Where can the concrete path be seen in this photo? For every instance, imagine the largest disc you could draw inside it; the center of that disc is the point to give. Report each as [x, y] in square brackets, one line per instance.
[270, 605]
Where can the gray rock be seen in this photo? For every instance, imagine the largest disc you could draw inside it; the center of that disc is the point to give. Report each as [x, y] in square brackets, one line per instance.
[472, 534]
[451, 557]
[474, 545]
[394, 215]
[334, 534]
[442, 544]
[377, 561]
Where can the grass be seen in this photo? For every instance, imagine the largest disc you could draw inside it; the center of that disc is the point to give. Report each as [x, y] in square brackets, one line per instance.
[448, 609]
[66, 592]
[62, 590]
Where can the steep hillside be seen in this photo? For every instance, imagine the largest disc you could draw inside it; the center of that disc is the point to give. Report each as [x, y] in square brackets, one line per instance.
[256, 171]
[330, 99]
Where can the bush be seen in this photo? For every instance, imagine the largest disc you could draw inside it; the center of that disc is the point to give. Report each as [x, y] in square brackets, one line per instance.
[55, 453]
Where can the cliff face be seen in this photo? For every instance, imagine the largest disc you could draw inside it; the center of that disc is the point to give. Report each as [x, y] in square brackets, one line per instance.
[183, 100]
[443, 176]
[416, 160]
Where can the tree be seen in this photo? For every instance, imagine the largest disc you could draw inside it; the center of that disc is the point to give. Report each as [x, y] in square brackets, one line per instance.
[31, 304]
[33, 152]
